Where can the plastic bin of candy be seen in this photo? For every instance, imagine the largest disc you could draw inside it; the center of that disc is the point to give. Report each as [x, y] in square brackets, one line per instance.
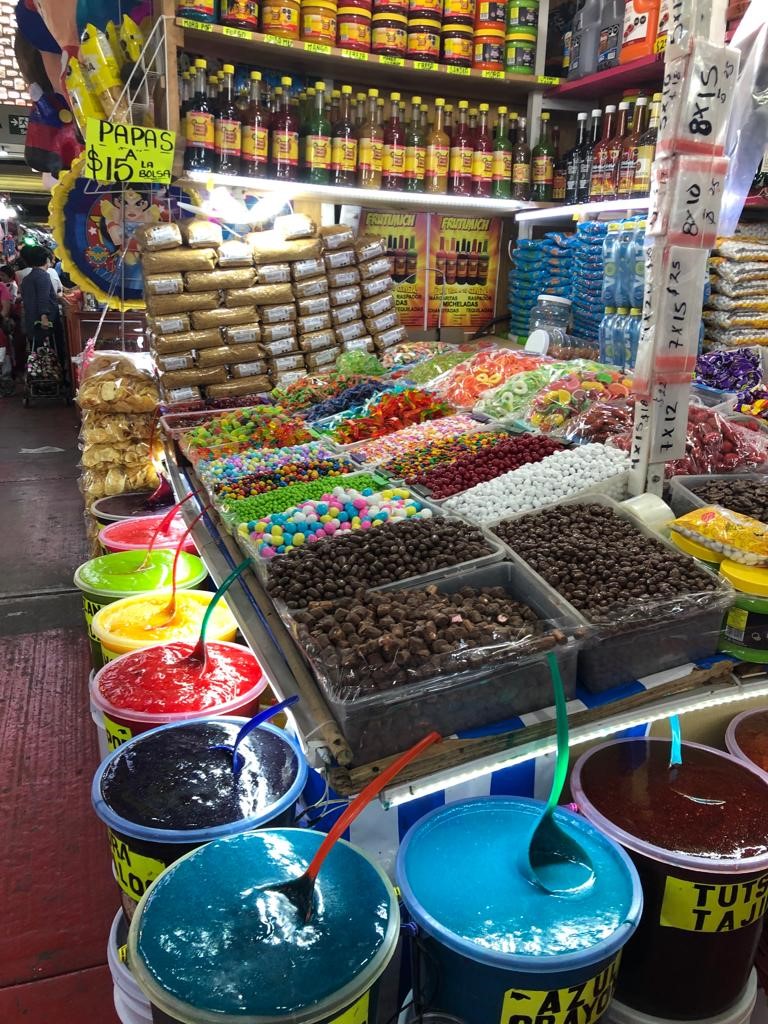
[683, 496]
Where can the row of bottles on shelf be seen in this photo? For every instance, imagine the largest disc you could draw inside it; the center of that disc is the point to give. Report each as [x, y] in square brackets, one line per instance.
[605, 33]
[622, 292]
[619, 336]
[347, 142]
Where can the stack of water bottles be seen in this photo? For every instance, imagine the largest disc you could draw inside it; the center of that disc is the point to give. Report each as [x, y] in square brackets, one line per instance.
[622, 293]
[543, 265]
[588, 279]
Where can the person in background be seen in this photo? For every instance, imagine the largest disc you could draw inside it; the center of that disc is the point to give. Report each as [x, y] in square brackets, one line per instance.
[41, 308]
[58, 287]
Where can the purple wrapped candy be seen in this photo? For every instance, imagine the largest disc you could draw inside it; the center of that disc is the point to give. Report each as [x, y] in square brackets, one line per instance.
[732, 370]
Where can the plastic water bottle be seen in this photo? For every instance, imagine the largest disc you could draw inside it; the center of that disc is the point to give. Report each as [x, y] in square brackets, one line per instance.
[605, 335]
[610, 246]
[619, 333]
[637, 285]
[625, 262]
[632, 332]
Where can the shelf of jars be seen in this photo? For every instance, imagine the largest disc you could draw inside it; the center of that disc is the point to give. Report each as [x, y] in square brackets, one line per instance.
[239, 44]
[290, 191]
[637, 74]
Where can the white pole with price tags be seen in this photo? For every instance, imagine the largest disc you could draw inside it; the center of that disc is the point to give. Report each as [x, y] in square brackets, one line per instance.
[700, 76]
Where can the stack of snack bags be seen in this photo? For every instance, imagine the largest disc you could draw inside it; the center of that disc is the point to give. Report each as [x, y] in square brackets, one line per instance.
[736, 312]
[589, 270]
[118, 401]
[545, 265]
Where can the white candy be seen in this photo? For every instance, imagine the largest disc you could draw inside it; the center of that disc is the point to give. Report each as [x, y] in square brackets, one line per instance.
[561, 475]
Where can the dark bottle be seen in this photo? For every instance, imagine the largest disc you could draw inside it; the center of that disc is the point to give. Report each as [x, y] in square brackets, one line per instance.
[521, 164]
[513, 126]
[213, 93]
[393, 159]
[370, 146]
[411, 261]
[483, 259]
[285, 136]
[646, 150]
[628, 160]
[344, 143]
[450, 263]
[572, 161]
[610, 177]
[543, 164]
[585, 160]
[199, 154]
[472, 264]
[317, 146]
[460, 166]
[462, 262]
[335, 106]
[601, 155]
[560, 173]
[255, 157]
[228, 129]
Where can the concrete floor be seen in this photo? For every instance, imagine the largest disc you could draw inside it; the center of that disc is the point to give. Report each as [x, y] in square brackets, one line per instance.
[56, 888]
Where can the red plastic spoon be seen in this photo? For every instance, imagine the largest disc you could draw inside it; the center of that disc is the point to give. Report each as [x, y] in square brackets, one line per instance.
[300, 891]
[162, 527]
[170, 608]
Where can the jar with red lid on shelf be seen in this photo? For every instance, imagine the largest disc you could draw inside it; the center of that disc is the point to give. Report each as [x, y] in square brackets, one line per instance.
[353, 28]
[488, 49]
[318, 21]
[239, 14]
[432, 9]
[423, 39]
[389, 34]
[281, 18]
[458, 12]
[457, 43]
[491, 14]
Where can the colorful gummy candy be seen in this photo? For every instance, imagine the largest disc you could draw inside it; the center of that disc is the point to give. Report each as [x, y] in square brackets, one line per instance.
[347, 399]
[506, 402]
[261, 505]
[263, 426]
[394, 445]
[411, 464]
[488, 369]
[391, 412]
[337, 511]
[437, 365]
[413, 351]
[243, 475]
[566, 397]
[308, 391]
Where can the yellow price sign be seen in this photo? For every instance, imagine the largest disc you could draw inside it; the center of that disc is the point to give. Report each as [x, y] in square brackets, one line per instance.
[277, 40]
[237, 33]
[547, 80]
[317, 48]
[397, 62]
[128, 152]
[492, 74]
[354, 55]
[426, 65]
[457, 71]
[201, 26]
[660, 45]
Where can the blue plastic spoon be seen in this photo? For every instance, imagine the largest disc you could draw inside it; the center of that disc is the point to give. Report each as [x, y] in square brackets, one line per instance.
[238, 761]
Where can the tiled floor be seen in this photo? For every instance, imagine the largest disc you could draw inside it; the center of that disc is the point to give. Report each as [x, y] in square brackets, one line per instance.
[56, 889]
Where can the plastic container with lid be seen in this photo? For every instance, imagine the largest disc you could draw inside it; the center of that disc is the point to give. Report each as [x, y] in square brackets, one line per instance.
[488, 47]
[282, 19]
[389, 35]
[318, 21]
[458, 12]
[490, 14]
[520, 52]
[426, 9]
[706, 556]
[745, 633]
[523, 14]
[457, 44]
[550, 311]
[390, 7]
[747, 737]
[423, 39]
[130, 534]
[353, 28]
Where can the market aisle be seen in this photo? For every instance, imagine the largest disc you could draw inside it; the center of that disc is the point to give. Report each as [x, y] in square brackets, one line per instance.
[55, 886]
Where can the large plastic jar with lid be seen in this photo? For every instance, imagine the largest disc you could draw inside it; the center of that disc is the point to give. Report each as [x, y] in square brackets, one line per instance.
[281, 18]
[520, 52]
[353, 28]
[426, 9]
[390, 7]
[550, 311]
[389, 34]
[488, 47]
[523, 14]
[458, 12]
[490, 14]
[423, 39]
[318, 21]
[457, 45]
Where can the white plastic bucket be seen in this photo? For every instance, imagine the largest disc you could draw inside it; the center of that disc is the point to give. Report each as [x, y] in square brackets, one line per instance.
[98, 720]
[128, 1010]
[739, 1013]
[131, 1004]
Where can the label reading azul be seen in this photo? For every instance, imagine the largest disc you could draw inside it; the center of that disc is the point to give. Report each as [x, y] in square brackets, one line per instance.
[134, 871]
[706, 907]
[578, 1004]
[357, 1014]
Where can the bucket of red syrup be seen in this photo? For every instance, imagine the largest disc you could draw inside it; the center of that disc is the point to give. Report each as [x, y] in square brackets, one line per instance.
[747, 737]
[157, 686]
[129, 534]
[698, 835]
[172, 789]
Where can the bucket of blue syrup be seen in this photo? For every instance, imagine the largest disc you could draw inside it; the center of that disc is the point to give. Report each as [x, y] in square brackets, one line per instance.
[171, 789]
[209, 944]
[698, 834]
[492, 945]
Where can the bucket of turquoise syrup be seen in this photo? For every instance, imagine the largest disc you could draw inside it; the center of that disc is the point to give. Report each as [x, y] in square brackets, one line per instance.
[208, 946]
[697, 834]
[493, 947]
[108, 578]
[172, 789]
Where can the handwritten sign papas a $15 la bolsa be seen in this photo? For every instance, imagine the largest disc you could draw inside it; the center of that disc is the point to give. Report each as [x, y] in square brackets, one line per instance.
[128, 152]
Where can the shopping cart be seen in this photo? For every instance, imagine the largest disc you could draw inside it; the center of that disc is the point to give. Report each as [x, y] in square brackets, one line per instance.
[44, 377]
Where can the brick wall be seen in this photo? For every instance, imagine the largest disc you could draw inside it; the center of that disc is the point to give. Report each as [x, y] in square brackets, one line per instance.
[13, 88]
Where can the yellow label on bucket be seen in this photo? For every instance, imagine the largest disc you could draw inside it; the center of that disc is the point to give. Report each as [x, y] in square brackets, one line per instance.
[116, 734]
[122, 954]
[90, 608]
[357, 1014]
[108, 655]
[134, 872]
[578, 1004]
[706, 907]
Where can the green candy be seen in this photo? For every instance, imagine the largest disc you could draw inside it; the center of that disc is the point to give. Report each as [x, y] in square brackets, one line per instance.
[270, 502]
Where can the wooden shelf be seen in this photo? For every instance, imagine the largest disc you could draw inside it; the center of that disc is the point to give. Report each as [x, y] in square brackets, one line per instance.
[645, 71]
[389, 72]
[370, 198]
